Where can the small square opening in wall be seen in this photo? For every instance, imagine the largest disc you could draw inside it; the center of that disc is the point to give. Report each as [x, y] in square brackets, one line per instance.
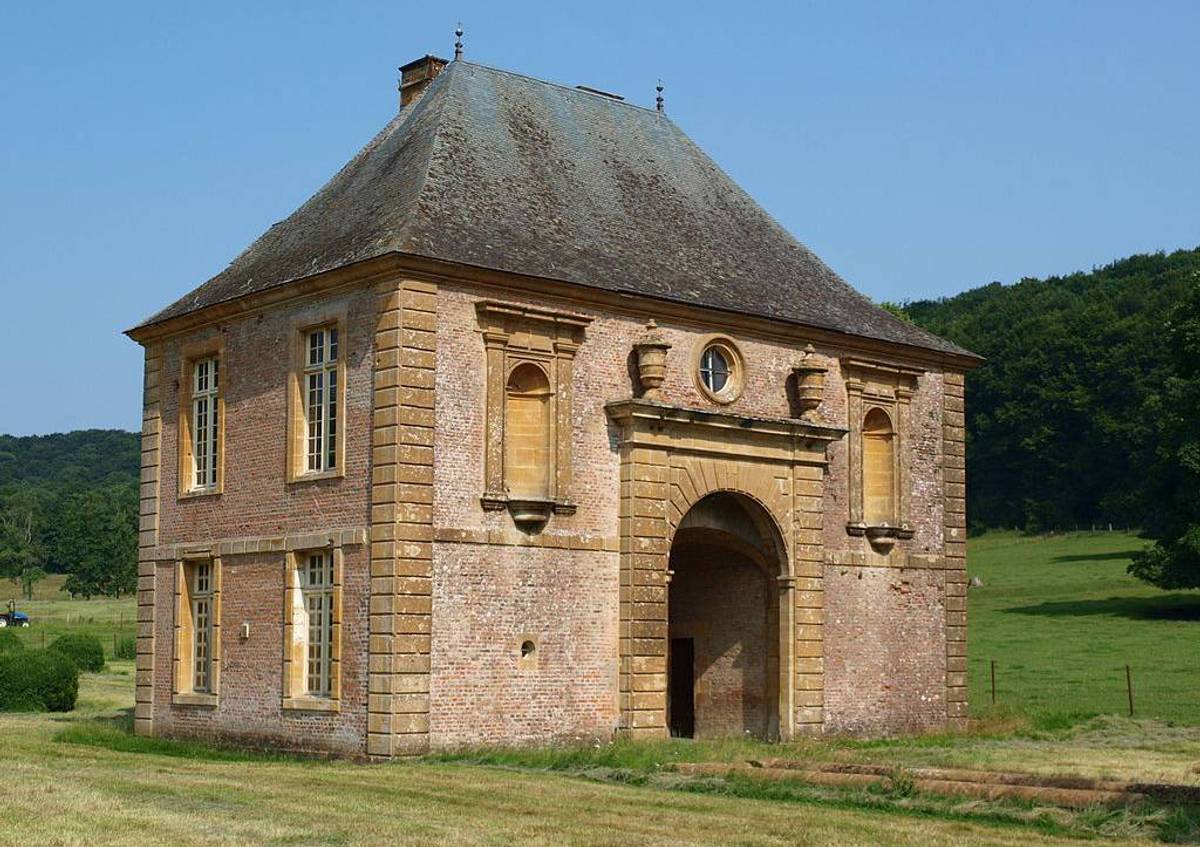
[527, 653]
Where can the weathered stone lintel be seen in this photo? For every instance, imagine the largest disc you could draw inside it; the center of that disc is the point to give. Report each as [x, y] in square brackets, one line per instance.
[516, 538]
[896, 559]
[261, 544]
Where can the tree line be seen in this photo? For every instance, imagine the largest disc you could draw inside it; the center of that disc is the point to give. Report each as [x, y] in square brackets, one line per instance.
[1087, 410]
[69, 504]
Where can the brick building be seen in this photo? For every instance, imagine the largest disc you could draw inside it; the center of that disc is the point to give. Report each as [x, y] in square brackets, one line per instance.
[532, 425]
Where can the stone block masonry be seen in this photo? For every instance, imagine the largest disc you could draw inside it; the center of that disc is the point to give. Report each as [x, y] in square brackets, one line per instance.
[954, 482]
[143, 710]
[402, 495]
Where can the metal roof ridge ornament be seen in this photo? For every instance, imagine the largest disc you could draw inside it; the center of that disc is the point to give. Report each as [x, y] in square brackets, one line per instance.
[458, 45]
[658, 99]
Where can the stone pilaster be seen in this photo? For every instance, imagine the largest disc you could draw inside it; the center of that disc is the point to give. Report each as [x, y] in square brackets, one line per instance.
[402, 520]
[808, 554]
[143, 715]
[954, 481]
[645, 552]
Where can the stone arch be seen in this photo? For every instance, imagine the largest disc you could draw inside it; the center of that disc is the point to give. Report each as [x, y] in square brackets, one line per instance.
[694, 479]
[728, 619]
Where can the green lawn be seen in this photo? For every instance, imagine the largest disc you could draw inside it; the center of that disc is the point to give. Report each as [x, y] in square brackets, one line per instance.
[1061, 619]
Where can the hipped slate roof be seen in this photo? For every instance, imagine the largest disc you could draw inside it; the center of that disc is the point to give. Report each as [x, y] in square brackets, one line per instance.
[500, 171]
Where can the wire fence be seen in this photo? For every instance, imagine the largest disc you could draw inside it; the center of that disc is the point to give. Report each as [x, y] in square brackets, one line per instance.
[1139, 689]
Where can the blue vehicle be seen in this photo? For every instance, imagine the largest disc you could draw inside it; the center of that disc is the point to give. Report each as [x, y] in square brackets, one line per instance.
[13, 618]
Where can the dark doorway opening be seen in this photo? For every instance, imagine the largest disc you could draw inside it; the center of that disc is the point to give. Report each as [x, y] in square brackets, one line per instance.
[682, 693]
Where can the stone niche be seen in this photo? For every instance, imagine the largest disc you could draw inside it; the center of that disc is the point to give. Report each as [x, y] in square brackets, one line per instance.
[879, 400]
[530, 356]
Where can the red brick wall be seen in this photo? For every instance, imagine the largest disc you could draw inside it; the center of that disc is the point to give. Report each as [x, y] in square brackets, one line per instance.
[251, 681]
[720, 600]
[487, 600]
[602, 375]
[254, 370]
[258, 502]
[885, 655]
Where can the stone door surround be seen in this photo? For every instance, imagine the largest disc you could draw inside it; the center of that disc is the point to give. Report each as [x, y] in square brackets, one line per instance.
[671, 457]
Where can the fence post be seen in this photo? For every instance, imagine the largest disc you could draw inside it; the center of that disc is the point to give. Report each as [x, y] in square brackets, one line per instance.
[993, 682]
[1129, 688]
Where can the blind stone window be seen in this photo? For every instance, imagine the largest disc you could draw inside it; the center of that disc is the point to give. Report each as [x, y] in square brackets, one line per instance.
[321, 398]
[205, 424]
[879, 462]
[527, 432]
[202, 625]
[317, 588]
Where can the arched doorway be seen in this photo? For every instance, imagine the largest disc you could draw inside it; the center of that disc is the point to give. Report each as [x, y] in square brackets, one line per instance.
[723, 613]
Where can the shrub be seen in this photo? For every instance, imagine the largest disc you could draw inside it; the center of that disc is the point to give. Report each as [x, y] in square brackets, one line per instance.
[126, 648]
[38, 680]
[85, 651]
[10, 642]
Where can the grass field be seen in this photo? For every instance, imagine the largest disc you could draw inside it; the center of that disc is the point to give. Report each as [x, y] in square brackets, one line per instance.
[53, 613]
[1059, 615]
[1061, 618]
[83, 779]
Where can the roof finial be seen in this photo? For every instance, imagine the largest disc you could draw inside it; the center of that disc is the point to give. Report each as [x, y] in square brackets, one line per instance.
[658, 101]
[458, 44]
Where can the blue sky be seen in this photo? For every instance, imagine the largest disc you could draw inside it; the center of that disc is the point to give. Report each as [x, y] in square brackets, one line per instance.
[919, 148]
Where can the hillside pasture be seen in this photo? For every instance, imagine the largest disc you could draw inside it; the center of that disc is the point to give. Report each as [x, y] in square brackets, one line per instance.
[1061, 618]
[53, 612]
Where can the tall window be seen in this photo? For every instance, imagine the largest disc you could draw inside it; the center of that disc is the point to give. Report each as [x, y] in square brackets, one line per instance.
[205, 425]
[879, 469]
[527, 432]
[202, 626]
[321, 398]
[316, 585]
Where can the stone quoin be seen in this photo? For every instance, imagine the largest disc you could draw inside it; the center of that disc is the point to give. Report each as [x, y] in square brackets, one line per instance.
[531, 425]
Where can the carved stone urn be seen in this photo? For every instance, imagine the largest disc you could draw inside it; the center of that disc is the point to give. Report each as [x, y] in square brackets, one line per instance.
[651, 351]
[810, 384]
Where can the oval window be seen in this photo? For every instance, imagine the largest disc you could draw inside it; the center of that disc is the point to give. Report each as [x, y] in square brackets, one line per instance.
[719, 369]
[715, 369]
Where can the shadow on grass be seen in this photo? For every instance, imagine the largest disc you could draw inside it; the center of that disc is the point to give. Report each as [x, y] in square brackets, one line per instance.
[1168, 607]
[1112, 556]
[116, 733]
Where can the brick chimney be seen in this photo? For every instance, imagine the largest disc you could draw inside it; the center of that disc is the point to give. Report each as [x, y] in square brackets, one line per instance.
[416, 76]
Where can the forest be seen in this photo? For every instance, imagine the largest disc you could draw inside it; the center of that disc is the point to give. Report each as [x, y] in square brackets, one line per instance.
[1086, 413]
[69, 504]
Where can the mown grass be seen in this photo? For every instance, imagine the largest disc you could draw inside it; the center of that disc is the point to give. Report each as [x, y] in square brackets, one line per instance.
[1061, 619]
[82, 779]
[1063, 603]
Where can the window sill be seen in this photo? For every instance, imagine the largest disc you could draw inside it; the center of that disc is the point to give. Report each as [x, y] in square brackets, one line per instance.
[316, 476]
[197, 493]
[194, 698]
[311, 704]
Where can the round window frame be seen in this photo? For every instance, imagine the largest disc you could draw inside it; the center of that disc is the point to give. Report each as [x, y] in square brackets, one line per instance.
[737, 369]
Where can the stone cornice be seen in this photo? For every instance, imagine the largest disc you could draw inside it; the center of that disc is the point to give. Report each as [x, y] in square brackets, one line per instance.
[224, 547]
[634, 305]
[652, 424]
